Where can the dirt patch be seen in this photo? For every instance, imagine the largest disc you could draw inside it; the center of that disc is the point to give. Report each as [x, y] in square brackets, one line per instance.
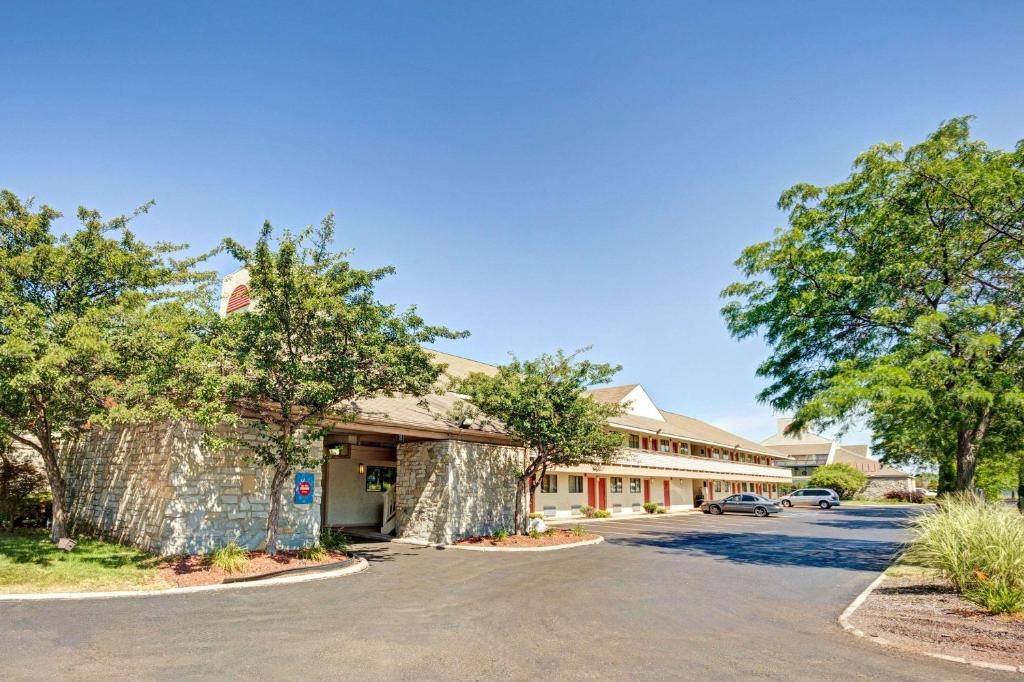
[559, 537]
[187, 571]
[923, 613]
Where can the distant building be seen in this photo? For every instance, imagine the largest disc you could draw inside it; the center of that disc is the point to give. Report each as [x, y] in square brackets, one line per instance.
[807, 451]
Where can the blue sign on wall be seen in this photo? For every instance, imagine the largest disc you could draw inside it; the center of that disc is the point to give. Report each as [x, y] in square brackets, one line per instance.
[303, 488]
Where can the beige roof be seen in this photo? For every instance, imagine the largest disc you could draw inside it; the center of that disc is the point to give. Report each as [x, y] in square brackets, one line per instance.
[687, 428]
[611, 394]
[458, 367]
[859, 450]
[801, 449]
[889, 472]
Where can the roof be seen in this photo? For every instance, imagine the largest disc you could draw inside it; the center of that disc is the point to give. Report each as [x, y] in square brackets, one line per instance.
[799, 448]
[458, 366]
[687, 428]
[889, 472]
[429, 412]
[611, 394]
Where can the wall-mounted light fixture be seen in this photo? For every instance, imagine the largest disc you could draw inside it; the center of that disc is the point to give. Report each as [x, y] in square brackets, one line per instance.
[362, 468]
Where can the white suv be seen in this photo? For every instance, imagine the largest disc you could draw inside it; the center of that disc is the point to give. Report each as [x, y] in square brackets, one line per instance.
[811, 497]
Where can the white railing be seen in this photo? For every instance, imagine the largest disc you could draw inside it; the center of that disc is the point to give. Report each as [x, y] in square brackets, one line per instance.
[388, 525]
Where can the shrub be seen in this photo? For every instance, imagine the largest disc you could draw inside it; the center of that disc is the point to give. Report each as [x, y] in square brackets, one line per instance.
[550, 531]
[535, 534]
[24, 493]
[846, 480]
[651, 507]
[978, 546]
[230, 557]
[662, 510]
[601, 513]
[333, 538]
[500, 534]
[588, 511]
[536, 515]
[905, 496]
[579, 531]
[314, 553]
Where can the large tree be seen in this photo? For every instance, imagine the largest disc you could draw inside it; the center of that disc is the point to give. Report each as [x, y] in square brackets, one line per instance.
[315, 340]
[90, 325]
[897, 295]
[544, 405]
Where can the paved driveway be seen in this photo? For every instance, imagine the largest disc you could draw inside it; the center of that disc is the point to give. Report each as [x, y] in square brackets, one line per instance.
[688, 597]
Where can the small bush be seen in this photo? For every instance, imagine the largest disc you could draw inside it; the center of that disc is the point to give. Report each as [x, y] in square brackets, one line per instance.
[905, 496]
[978, 546]
[314, 553]
[535, 534]
[846, 480]
[588, 511]
[536, 515]
[651, 507]
[550, 531]
[500, 534]
[662, 510]
[334, 539]
[601, 513]
[579, 531]
[231, 558]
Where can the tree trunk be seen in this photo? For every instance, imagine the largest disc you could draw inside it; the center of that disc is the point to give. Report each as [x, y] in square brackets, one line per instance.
[276, 485]
[968, 442]
[58, 489]
[519, 518]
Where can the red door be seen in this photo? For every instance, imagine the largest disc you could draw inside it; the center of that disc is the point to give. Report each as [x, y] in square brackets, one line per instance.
[668, 497]
[647, 491]
[591, 495]
[602, 493]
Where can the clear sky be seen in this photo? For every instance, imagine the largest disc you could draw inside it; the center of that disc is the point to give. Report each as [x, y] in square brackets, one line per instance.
[542, 174]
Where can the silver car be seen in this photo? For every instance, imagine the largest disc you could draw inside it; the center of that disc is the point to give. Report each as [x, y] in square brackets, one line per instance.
[746, 503]
[811, 497]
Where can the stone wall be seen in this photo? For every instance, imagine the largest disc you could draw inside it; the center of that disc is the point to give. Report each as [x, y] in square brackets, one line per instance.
[878, 487]
[158, 487]
[450, 489]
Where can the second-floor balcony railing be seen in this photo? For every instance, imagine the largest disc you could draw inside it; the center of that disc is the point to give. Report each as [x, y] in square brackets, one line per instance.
[710, 465]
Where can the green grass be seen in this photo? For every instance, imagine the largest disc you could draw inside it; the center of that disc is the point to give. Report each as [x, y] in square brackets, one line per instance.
[29, 562]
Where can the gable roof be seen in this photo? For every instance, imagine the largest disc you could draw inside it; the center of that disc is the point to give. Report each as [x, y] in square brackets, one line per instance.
[611, 394]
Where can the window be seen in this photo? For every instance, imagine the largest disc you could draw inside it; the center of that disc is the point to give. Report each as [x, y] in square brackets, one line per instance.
[549, 484]
[575, 484]
[616, 484]
[380, 479]
[702, 452]
[634, 485]
[664, 446]
[718, 486]
[733, 498]
[684, 449]
[634, 441]
[749, 498]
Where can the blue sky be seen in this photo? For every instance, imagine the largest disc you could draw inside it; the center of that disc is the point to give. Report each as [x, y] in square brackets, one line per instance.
[544, 175]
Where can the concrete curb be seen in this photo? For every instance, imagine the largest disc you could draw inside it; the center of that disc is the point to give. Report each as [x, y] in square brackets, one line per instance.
[550, 548]
[356, 565]
[844, 621]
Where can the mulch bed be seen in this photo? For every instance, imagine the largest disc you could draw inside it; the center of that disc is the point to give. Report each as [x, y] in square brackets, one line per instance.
[926, 614]
[187, 571]
[559, 537]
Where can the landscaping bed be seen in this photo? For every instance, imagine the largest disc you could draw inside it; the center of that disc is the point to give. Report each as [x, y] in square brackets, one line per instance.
[553, 537]
[188, 571]
[924, 613]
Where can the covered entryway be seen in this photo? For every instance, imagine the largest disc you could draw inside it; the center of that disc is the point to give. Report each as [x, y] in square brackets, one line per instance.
[359, 474]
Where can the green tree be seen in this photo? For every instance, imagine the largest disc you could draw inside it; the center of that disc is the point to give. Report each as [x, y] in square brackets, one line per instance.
[21, 481]
[846, 480]
[85, 320]
[314, 340]
[543, 404]
[897, 294]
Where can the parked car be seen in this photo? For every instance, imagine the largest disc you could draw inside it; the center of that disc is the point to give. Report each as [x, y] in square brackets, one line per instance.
[745, 503]
[927, 493]
[811, 497]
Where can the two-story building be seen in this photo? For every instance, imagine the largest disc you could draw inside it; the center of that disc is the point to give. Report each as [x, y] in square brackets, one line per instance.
[670, 459]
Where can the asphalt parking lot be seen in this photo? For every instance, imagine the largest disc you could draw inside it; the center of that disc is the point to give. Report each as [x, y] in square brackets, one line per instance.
[665, 597]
